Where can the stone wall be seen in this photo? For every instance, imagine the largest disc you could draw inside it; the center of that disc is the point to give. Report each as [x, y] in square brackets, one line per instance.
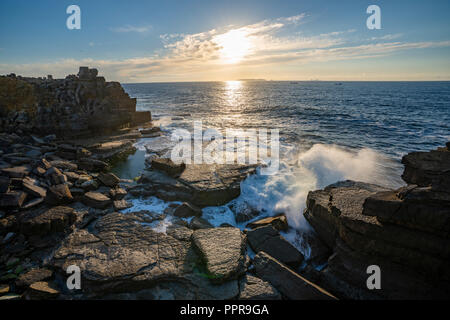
[78, 105]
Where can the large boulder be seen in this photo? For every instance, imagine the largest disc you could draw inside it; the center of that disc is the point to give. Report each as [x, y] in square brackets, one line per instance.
[269, 240]
[287, 282]
[428, 168]
[58, 195]
[202, 185]
[121, 254]
[45, 221]
[96, 200]
[222, 250]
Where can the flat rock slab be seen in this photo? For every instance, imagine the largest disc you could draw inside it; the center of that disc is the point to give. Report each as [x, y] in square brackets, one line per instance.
[222, 250]
[96, 200]
[253, 288]
[59, 194]
[120, 253]
[45, 221]
[202, 185]
[32, 276]
[109, 179]
[279, 222]
[289, 283]
[269, 240]
[16, 172]
[12, 199]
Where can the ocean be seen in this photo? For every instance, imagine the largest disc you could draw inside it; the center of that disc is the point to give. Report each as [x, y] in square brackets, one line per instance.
[329, 131]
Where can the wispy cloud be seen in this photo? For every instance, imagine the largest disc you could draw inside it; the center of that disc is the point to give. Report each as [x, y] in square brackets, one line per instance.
[130, 28]
[267, 44]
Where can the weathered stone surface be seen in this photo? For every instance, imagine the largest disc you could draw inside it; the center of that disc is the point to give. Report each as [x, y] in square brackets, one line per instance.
[121, 205]
[168, 166]
[32, 276]
[279, 222]
[64, 165]
[117, 194]
[59, 194]
[12, 199]
[222, 250]
[269, 240]
[201, 185]
[416, 208]
[253, 288]
[33, 189]
[119, 254]
[16, 172]
[109, 179]
[96, 200]
[399, 229]
[289, 284]
[187, 210]
[4, 184]
[45, 221]
[42, 290]
[92, 164]
[199, 223]
[428, 168]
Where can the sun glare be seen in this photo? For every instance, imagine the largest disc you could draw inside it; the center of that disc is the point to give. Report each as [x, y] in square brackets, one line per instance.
[234, 44]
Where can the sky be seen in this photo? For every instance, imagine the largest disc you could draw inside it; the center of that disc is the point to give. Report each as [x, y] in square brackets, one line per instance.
[194, 40]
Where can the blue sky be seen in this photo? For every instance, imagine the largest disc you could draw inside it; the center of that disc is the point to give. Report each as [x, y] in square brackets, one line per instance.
[140, 41]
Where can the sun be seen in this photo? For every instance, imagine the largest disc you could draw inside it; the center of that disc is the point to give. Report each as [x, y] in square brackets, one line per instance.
[234, 45]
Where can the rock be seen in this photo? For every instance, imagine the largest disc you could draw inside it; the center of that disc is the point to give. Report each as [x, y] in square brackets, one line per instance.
[117, 194]
[201, 185]
[199, 223]
[33, 276]
[121, 205]
[10, 296]
[117, 245]
[59, 194]
[411, 209]
[269, 240]
[428, 169]
[4, 288]
[89, 185]
[278, 222]
[288, 283]
[12, 199]
[168, 166]
[243, 211]
[365, 224]
[8, 237]
[92, 164]
[64, 165]
[32, 203]
[109, 179]
[72, 176]
[44, 164]
[33, 190]
[16, 172]
[4, 184]
[96, 200]
[42, 291]
[187, 210]
[223, 252]
[253, 288]
[45, 221]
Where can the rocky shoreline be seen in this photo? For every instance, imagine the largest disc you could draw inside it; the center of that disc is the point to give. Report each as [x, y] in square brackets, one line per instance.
[61, 206]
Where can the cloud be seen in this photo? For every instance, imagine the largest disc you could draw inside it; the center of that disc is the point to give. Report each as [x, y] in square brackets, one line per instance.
[130, 28]
[277, 42]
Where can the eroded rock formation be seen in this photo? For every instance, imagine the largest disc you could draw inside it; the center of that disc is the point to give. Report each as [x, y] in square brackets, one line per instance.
[405, 232]
[74, 106]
